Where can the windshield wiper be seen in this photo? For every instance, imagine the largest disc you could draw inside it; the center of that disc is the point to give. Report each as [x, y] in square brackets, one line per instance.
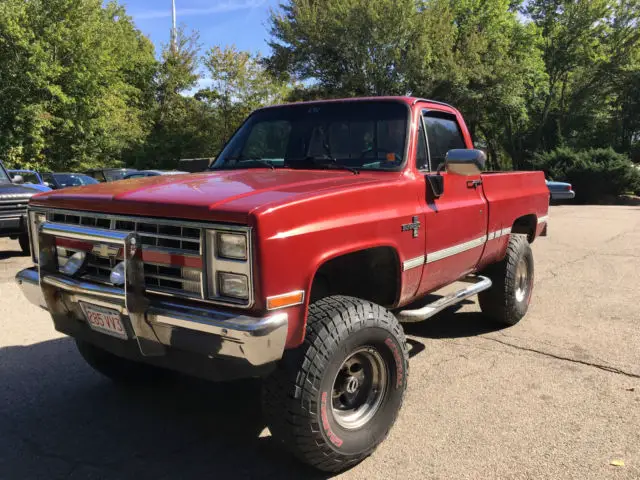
[250, 160]
[327, 162]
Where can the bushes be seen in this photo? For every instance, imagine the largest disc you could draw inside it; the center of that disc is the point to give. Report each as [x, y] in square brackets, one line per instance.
[596, 174]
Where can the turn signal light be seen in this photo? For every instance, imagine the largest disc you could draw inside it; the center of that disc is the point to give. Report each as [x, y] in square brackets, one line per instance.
[285, 300]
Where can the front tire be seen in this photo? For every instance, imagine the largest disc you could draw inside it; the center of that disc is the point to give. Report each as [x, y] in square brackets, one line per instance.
[507, 301]
[119, 370]
[333, 400]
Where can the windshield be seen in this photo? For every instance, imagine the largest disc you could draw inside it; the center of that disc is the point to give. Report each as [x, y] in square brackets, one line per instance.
[363, 135]
[4, 176]
[28, 177]
[113, 175]
[73, 179]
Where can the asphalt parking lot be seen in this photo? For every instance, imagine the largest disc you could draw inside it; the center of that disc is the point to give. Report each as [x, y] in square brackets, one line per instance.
[555, 397]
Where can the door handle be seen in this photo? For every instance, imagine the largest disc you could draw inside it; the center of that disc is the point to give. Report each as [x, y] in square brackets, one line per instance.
[473, 183]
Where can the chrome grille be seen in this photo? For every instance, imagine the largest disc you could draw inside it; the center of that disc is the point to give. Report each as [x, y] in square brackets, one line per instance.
[151, 232]
[13, 208]
[156, 236]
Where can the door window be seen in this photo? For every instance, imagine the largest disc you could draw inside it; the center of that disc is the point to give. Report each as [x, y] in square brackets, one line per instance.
[422, 157]
[443, 134]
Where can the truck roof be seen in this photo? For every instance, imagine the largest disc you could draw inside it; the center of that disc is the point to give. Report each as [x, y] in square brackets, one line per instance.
[402, 99]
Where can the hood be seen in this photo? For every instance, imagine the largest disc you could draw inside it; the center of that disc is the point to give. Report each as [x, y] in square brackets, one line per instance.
[229, 195]
[9, 191]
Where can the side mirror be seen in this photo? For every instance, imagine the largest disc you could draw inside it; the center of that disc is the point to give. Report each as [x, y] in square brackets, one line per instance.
[18, 179]
[436, 183]
[465, 162]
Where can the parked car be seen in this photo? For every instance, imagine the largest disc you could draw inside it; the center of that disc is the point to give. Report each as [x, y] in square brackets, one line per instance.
[109, 174]
[13, 208]
[29, 178]
[151, 173]
[560, 190]
[64, 180]
[318, 229]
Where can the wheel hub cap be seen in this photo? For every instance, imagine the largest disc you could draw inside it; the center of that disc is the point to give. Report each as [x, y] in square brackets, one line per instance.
[359, 388]
[522, 280]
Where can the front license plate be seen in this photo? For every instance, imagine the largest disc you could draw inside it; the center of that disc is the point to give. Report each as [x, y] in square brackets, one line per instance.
[104, 320]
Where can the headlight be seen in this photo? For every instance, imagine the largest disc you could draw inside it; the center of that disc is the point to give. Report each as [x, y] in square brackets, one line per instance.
[229, 275]
[35, 220]
[233, 246]
[74, 264]
[233, 285]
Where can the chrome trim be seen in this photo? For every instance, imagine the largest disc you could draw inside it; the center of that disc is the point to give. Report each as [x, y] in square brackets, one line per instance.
[293, 292]
[77, 232]
[413, 263]
[259, 340]
[498, 233]
[81, 287]
[455, 249]
[479, 284]
[543, 219]
[216, 264]
[204, 255]
[129, 218]
[29, 282]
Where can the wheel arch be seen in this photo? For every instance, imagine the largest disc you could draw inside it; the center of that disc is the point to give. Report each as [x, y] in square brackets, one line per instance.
[372, 273]
[526, 225]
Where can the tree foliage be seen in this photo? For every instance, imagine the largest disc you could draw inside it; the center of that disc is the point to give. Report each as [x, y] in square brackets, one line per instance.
[75, 82]
[82, 87]
[528, 76]
[239, 85]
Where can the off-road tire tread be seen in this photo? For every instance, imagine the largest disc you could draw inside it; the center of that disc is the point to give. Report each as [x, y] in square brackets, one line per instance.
[289, 393]
[498, 302]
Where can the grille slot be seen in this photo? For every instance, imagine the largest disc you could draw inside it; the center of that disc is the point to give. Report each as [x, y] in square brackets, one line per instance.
[154, 235]
[13, 208]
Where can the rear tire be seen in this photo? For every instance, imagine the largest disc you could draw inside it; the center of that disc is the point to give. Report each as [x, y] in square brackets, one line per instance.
[507, 301]
[120, 370]
[333, 400]
[25, 246]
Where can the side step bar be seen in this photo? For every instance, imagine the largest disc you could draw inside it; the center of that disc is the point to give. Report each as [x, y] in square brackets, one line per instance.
[478, 284]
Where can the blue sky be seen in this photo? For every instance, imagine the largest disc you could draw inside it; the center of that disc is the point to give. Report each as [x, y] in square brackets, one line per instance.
[220, 22]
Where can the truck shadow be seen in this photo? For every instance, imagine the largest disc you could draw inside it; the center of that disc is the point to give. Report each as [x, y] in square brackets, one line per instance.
[6, 254]
[451, 323]
[59, 419]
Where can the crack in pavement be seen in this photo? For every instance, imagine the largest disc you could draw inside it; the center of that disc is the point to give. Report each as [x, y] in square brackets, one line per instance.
[590, 253]
[606, 368]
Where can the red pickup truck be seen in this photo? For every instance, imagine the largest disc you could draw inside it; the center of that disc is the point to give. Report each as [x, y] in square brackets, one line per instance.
[318, 229]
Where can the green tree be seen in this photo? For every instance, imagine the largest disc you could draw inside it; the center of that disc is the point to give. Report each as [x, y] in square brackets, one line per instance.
[76, 80]
[490, 67]
[347, 47]
[239, 85]
[474, 53]
[590, 52]
[180, 126]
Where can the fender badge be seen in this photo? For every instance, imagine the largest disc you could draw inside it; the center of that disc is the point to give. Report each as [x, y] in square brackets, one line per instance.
[414, 225]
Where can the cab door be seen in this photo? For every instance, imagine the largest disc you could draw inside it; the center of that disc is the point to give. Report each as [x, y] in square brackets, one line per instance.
[456, 222]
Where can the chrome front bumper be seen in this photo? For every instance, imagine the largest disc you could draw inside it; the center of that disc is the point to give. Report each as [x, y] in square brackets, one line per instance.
[161, 325]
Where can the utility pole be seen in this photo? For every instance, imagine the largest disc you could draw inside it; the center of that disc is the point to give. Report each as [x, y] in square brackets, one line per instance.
[174, 31]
